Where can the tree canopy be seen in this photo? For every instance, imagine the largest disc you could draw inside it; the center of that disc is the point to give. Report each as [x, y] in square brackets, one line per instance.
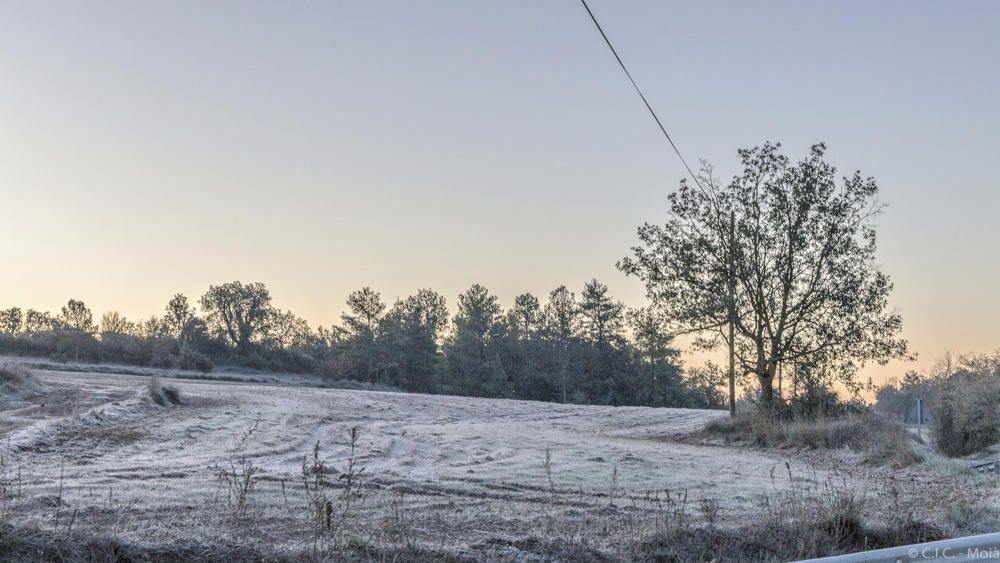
[795, 247]
[238, 312]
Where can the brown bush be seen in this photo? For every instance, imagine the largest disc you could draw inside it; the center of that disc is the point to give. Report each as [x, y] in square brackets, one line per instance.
[882, 441]
[966, 416]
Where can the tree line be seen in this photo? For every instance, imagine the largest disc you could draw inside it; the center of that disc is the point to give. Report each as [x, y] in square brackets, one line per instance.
[580, 349]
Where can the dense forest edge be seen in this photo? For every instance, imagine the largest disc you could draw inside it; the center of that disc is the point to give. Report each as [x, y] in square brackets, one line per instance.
[589, 349]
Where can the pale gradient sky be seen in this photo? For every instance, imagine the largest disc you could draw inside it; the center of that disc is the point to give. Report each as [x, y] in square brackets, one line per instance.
[148, 148]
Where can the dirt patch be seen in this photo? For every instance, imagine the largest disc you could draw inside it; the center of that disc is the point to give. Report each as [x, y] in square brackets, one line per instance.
[87, 442]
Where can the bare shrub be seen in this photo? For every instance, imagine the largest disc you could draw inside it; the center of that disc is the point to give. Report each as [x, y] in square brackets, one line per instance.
[329, 515]
[709, 508]
[547, 466]
[239, 477]
[319, 506]
[14, 374]
[400, 527]
[351, 479]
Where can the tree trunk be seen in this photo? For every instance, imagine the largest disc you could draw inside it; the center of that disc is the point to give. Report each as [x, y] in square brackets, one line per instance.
[780, 390]
[766, 390]
[732, 371]
[563, 368]
[731, 313]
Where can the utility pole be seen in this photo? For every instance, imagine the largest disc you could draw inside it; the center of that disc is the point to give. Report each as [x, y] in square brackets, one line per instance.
[779, 379]
[920, 417]
[731, 304]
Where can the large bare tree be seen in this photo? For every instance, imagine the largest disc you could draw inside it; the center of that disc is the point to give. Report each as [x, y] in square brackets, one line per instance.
[786, 252]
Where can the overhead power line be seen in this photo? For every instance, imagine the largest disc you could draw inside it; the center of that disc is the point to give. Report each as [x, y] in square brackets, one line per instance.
[638, 91]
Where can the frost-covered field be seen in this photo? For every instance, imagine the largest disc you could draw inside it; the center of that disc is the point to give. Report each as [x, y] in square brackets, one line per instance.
[460, 474]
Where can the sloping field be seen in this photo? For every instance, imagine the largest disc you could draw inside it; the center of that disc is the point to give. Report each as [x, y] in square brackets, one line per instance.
[462, 474]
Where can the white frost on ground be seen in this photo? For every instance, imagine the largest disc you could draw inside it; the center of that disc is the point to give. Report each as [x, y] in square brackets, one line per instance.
[105, 441]
[458, 442]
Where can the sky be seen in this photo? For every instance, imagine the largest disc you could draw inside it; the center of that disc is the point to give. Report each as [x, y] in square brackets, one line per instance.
[149, 148]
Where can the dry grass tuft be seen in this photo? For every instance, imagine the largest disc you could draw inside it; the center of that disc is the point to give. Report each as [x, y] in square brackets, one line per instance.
[975, 517]
[882, 441]
[30, 545]
[163, 395]
[806, 521]
[18, 381]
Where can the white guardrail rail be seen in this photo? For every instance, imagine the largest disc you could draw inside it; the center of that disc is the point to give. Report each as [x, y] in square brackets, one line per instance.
[985, 547]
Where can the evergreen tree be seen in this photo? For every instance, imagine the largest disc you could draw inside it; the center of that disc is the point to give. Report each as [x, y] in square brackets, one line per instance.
[658, 371]
[473, 349]
[411, 331]
[560, 320]
[361, 323]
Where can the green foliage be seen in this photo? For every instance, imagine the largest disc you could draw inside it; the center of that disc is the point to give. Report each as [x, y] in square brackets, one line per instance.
[602, 318]
[410, 335]
[810, 393]
[473, 350]
[361, 326]
[524, 319]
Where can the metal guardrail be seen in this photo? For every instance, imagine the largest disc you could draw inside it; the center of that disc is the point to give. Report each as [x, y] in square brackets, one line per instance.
[984, 547]
[986, 466]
